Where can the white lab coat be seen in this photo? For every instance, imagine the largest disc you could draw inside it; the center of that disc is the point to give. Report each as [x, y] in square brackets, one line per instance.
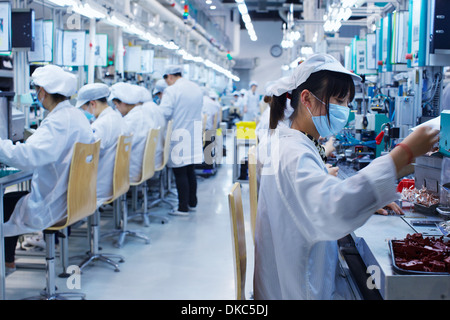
[303, 211]
[107, 127]
[157, 114]
[240, 104]
[251, 100]
[138, 121]
[210, 108]
[182, 102]
[48, 152]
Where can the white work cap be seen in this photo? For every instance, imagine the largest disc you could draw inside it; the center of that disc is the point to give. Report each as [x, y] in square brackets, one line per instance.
[160, 86]
[125, 92]
[144, 94]
[253, 83]
[55, 80]
[90, 92]
[173, 69]
[235, 93]
[213, 94]
[243, 91]
[315, 63]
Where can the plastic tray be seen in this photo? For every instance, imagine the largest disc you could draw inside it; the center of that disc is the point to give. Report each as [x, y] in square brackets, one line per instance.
[399, 270]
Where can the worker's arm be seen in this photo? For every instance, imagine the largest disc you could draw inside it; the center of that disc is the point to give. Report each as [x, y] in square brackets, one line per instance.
[167, 104]
[43, 147]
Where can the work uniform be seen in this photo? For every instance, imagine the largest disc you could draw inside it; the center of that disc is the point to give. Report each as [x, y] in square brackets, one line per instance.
[251, 100]
[313, 209]
[48, 152]
[107, 127]
[138, 122]
[159, 121]
[182, 102]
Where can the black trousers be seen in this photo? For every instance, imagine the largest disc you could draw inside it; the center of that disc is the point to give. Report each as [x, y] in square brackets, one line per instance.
[186, 183]
[10, 200]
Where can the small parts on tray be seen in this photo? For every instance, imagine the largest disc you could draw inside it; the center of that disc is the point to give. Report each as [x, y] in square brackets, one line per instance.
[422, 196]
[417, 253]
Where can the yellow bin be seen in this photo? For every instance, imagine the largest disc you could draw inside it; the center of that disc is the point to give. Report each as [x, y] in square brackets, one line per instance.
[246, 130]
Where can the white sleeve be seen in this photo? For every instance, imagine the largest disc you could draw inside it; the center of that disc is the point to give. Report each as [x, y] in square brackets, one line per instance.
[167, 104]
[335, 207]
[43, 147]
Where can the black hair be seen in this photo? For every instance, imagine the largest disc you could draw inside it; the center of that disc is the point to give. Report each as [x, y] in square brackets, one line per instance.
[323, 84]
[178, 74]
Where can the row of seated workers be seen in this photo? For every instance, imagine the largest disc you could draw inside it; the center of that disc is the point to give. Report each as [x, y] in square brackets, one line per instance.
[102, 113]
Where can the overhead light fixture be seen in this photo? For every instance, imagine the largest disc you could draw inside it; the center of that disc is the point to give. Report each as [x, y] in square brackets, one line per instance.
[62, 3]
[243, 10]
[89, 10]
[117, 21]
[213, 7]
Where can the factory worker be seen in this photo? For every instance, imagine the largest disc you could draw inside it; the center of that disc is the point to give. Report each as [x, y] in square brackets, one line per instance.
[144, 95]
[251, 103]
[303, 210]
[126, 98]
[107, 127]
[182, 102]
[210, 108]
[159, 121]
[48, 153]
[240, 102]
[158, 91]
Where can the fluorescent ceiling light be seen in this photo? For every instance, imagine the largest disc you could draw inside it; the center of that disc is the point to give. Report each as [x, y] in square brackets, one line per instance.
[63, 3]
[117, 21]
[88, 11]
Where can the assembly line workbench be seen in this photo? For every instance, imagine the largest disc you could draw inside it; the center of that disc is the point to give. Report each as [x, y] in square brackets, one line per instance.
[372, 242]
[8, 177]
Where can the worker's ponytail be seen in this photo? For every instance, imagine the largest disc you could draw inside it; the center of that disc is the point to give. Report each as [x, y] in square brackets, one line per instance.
[277, 107]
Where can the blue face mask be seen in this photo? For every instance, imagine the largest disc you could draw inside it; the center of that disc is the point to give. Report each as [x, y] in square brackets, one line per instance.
[338, 119]
[89, 116]
[38, 102]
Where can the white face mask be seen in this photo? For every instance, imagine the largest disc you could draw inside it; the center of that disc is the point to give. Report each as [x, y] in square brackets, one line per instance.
[338, 119]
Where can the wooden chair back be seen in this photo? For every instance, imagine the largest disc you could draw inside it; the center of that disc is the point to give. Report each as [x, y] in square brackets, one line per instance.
[148, 163]
[238, 239]
[82, 184]
[121, 172]
[166, 151]
[253, 187]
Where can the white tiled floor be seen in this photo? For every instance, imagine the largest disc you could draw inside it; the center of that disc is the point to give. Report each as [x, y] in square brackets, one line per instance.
[188, 258]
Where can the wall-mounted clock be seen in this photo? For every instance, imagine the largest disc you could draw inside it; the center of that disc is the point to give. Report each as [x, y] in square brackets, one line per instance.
[276, 50]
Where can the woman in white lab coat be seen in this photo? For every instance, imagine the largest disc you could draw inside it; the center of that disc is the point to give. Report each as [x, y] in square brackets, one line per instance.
[138, 122]
[107, 127]
[48, 153]
[303, 210]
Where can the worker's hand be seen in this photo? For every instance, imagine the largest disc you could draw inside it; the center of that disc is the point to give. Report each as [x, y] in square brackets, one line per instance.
[332, 170]
[329, 146]
[392, 207]
[245, 109]
[422, 140]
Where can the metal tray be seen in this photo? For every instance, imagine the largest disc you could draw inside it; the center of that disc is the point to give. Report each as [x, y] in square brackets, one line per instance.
[411, 272]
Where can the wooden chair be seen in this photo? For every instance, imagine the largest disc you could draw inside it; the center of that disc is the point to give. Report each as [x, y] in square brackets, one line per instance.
[163, 169]
[253, 187]
[81, 203]
[148, 170]
[238, 239]
[121, 184]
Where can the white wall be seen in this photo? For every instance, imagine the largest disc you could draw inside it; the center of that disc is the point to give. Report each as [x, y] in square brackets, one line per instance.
[268, 68]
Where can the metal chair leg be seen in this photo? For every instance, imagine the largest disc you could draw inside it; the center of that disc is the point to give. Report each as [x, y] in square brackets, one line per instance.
[49, 293]
[123, 231]
[94, 254]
